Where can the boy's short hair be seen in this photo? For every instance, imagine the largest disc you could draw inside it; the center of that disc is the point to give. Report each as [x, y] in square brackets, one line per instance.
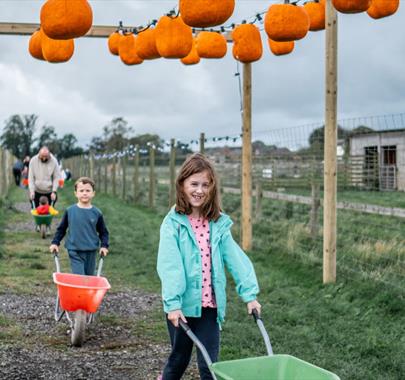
[85, 181]
[43, 200]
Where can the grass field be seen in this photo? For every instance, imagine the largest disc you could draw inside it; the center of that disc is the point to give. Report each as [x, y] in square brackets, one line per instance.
[355, 328]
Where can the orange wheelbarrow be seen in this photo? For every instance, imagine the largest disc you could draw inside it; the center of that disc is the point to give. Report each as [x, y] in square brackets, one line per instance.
[80, 295]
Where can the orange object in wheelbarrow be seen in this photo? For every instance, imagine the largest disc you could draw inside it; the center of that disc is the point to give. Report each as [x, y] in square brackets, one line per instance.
[78, 292]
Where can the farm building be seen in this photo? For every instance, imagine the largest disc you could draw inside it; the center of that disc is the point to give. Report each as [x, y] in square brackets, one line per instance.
[378, 160]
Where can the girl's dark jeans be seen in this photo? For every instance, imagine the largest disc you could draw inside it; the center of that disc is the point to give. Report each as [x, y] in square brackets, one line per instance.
[207, 331]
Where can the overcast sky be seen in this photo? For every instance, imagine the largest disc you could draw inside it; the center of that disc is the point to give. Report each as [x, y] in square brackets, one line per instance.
[172, 100]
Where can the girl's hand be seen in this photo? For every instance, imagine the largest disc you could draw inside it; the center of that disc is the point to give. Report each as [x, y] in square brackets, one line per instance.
[103, 251]
[174, 317]
[253, 305]
[54, 248]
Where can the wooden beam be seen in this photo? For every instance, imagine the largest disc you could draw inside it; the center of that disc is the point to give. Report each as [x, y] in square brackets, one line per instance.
[96, 31]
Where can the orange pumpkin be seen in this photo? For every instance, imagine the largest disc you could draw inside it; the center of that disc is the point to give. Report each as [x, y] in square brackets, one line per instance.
[351, 6]
[205, 13]
[113, 42]
[316, 13]
[146, 44]
[66, 19]
[56, 51]
[193, 58]
[382, 8]
[128, 51]
[211, 45]
[35, 46]
[174, 39]
[281, 48]
[247, 43]
[286, 22]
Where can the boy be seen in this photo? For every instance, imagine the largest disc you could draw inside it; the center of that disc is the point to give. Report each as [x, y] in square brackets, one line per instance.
[44, 208]
[86, 230]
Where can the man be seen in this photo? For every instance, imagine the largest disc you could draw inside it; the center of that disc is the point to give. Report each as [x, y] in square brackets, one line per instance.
[17, 170]
[43, 176]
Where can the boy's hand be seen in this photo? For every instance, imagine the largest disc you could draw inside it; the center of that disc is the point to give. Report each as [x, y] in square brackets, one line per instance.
[54, 248]
[103, 251]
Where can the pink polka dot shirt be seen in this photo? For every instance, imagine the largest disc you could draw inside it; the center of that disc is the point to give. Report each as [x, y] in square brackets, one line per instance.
[201, 230]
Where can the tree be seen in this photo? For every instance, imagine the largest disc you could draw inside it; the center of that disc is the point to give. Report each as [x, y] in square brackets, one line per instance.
[68, 146]
[143, 141]
[49, 138]
[317, 138]
[115, 135]
[18, 134]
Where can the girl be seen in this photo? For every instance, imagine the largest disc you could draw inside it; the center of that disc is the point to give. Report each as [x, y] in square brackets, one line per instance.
[195, 247]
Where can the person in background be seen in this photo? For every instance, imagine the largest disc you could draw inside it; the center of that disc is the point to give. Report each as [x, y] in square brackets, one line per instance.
[17, 171]
[24, 174]
[43, 176]
[86, 228]
[195, 247]
[44, 208]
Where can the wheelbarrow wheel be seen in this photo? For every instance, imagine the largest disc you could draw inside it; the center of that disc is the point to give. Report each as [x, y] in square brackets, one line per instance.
[79, 328]
[42, 229]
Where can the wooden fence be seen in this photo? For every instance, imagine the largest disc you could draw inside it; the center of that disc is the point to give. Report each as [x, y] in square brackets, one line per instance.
[6, 171]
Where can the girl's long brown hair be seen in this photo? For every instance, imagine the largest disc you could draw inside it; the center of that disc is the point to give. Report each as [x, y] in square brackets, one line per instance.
[211, 208]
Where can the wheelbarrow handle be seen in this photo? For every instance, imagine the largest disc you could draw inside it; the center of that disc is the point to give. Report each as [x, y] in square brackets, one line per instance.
[100, 265]
[200, 346]
[32, 204]
[259, 322]
[56, 258]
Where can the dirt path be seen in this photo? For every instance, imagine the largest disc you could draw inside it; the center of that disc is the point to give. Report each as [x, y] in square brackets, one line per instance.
[115, 346]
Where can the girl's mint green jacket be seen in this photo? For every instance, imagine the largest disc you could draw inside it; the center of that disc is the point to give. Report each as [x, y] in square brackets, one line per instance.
[180, 271]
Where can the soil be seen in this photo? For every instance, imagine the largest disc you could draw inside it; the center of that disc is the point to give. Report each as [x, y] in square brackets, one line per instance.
[114, 346]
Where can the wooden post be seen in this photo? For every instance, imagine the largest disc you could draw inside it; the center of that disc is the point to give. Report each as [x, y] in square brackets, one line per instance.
[136, 174]
[91, 166]
[330, 183]
[106, 175]
[314, 213]
[2, 174]
[151, 176]
[124, 177]
[202, 143]
[114, 177]
[246, 225]
[172, 190]
[98, 166]
[259, 197]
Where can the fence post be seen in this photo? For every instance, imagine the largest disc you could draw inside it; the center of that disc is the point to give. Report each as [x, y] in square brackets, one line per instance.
[136, 174]
[124, 177]
[114, 177]
[91, 166]
[247, 159]
[202, 143]
[259, 197]
[98, 165]
[105, 161]
[2, 174]
[330, 183]
[313, 215]
[152, 176]
[172, 190]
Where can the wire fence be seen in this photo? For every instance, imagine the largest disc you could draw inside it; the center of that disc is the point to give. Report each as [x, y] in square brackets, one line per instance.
[287, 167]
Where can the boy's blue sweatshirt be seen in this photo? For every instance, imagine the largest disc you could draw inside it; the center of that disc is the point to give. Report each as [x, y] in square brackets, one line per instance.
[86, 229]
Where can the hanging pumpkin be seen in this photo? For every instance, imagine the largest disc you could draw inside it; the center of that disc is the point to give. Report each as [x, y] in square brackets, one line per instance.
[205, 13]
[247, 43]
[281, 48]
[146, 44]
[382, 8]
[193, 58]
[113, 42]
[127, 50]
[66, 19]
[35, 45]
[286, 22]
[56, 51]
[351, 6]
[174, 39]
[211, 45]
[316, 13]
